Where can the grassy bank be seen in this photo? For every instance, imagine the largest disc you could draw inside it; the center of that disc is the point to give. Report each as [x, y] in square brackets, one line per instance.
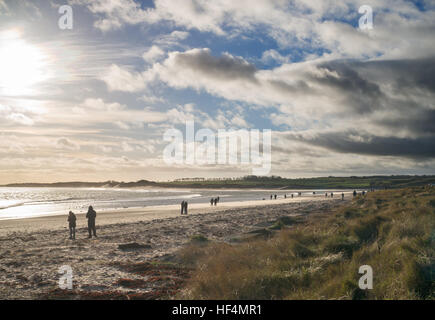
[318, 257]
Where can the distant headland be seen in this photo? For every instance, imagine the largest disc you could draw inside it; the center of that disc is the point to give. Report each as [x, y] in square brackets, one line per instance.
[275, 182]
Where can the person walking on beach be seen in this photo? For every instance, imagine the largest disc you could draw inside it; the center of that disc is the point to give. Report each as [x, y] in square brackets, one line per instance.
[332, 194]
[271, 197]
[354, 193]
[275, 197]
[342, 196]
[91, 216]
[182, 207]
[72, 225]
[215, 201]
[211, 201]
[185, 207]
[292, 195]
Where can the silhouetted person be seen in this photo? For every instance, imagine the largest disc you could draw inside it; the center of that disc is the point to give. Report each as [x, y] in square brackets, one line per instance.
[292, 195]
[185, 207]
[354, 193]
[72, 225]
[342, 196]
[275, 197]
[285, 196]
[211, 201]
[271, 197]
[91, 216]
[332, 194]
[182, 207]
[326, 194]
[215, 201]
[218, 199]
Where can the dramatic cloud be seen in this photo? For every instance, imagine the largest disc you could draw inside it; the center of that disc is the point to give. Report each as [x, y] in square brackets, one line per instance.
[339, 100]
[299, 24]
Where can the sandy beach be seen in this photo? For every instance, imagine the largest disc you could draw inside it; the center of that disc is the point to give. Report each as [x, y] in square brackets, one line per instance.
[32, 250]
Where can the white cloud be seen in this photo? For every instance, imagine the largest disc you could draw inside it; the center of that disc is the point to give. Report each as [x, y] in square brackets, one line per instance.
[306, 24]
[120, 79]
[153, 54]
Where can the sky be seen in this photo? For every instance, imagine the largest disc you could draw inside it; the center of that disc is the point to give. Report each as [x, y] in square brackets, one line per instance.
[93, 103]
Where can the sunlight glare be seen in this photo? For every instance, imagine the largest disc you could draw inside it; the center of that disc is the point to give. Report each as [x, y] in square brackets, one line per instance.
[21, 65]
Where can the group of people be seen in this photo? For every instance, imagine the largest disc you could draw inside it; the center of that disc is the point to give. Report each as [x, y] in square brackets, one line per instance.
[214, 201]
[91, 215]
[363, 193]
[332, 195]
[274, 196]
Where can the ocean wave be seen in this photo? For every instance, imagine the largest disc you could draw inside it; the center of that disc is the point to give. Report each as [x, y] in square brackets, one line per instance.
[11, 204]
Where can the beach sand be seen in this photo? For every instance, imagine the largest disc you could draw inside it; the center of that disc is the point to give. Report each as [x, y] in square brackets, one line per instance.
[32, 250]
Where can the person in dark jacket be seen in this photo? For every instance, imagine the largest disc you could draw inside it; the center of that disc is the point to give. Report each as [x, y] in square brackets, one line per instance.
[182, 207]
[91, 216]
[185, 207]
[72, 225]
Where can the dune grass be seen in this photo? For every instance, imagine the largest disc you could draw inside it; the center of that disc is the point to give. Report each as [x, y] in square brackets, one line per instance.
[393, 231]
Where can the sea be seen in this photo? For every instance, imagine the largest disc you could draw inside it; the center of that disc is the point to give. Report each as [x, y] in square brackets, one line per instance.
[21, 203]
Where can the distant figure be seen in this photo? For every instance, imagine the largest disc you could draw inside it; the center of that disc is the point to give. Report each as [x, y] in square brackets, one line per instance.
[91, 216]
[354, 193]
[285, 196]
[292, 195]
[182, 207]
[326, 194]
[218, 199]
[271, 197]
[185, 207]
[342, 196]
[363, 193]
[72, 225]
[215, 201]
[300, 193]
[314, 192]
[211, 201]
[332, 194]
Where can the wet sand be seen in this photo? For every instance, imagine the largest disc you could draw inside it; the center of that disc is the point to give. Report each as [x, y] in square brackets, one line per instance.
[32, 250]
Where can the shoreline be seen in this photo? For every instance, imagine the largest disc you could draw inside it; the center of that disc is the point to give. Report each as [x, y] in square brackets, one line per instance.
[131, 215]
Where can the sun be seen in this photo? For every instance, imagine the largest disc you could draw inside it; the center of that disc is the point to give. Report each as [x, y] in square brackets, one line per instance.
[21, 65]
